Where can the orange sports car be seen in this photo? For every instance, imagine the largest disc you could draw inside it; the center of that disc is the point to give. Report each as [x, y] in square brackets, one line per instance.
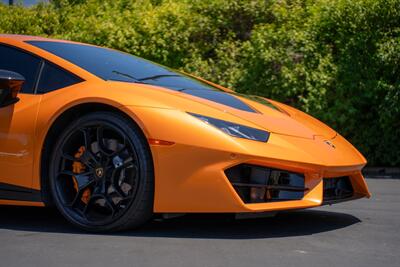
[111, 139]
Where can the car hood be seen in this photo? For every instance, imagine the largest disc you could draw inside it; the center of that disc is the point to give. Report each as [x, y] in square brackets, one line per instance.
[270, 115]
[282, 119]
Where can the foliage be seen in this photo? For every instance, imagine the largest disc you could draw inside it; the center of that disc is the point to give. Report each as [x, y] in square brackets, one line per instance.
[336, 59]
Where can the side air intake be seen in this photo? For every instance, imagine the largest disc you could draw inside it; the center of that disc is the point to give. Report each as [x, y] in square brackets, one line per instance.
[337, 189]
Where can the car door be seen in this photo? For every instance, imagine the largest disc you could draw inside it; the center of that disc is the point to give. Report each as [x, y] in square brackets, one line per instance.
[17, 124]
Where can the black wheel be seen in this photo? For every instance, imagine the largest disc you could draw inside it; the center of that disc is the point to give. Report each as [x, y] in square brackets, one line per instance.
[101, 173]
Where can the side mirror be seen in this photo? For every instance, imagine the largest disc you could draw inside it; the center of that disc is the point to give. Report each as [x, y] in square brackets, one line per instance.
[10, 85]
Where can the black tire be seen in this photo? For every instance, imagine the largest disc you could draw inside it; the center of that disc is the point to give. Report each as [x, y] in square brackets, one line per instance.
[114, 189]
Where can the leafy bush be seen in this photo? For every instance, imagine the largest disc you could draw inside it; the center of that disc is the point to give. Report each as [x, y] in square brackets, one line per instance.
[336, 59]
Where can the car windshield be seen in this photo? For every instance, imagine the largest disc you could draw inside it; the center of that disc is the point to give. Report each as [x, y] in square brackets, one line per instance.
[113, 65]
[110, 64]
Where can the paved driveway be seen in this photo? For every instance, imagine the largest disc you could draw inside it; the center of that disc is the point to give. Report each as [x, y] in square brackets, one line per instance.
[359, 233]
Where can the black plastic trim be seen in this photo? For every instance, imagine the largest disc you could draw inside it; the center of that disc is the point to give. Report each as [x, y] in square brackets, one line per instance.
[41, 66]
[275, 187]
[19, 193]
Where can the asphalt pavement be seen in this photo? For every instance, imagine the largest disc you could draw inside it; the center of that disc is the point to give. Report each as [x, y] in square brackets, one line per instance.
[364, 233]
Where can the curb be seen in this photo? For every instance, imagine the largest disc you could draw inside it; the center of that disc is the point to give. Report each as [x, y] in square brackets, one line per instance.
[381, 172]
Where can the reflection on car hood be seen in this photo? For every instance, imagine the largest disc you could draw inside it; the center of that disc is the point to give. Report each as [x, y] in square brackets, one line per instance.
[220, 97]
[263, 113]
[270, 115]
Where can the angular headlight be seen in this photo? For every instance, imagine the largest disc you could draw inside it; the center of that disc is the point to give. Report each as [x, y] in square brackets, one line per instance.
[234, 129]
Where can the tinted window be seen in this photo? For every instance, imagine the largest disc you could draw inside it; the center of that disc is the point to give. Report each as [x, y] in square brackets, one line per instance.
[53, 78]
[27, 65]
[110, 64]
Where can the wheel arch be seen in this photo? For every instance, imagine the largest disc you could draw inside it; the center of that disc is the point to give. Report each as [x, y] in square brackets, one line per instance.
[65, 118]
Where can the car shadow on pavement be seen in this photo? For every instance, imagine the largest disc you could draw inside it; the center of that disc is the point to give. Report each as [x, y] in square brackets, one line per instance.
[202, 226]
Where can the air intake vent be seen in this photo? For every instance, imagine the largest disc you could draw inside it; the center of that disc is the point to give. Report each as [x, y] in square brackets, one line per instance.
[256, 184]
[337, 189]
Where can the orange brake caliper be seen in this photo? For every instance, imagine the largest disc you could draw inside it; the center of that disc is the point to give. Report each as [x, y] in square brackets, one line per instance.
[78, 167]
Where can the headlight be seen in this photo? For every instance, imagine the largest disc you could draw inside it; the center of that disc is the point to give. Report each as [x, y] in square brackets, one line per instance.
[234, 129]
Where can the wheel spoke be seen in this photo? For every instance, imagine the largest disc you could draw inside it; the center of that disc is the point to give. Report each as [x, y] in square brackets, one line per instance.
[100, 140]
[128, 163]
[114, 177]
[69, 157]
[86, 137]
[87, 157]
[89, 204]
[83, 180]
[70, 173]
[111, 205]
[66, 172]
[119, 191]
[123, 147]
[78, 195]
[81, 159]
[88, 154]
[118, 152]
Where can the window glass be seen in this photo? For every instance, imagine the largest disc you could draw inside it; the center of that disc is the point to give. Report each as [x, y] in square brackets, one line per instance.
[110, 64]
[27, 65]
[53, 78]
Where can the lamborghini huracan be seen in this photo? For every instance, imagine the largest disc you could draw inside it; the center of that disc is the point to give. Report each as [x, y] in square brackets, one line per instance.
[111, 140]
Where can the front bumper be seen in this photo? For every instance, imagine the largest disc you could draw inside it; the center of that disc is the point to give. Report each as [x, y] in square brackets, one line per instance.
[190, 175]
[193, 179]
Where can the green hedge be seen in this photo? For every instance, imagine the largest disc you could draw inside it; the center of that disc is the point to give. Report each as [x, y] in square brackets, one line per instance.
[336, 59]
